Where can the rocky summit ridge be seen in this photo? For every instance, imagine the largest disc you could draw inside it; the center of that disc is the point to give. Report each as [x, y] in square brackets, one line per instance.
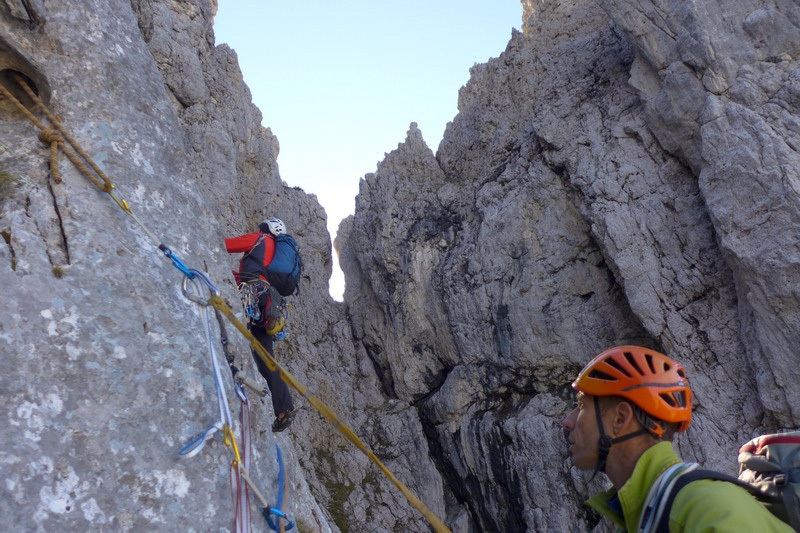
[624, 172]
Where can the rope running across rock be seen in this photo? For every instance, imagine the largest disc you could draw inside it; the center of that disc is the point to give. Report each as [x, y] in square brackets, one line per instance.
[96, 176]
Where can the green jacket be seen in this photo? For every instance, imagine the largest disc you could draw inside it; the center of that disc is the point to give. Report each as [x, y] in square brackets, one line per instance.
[701, 506]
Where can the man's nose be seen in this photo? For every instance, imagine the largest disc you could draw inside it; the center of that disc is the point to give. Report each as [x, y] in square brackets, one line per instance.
[569, 421]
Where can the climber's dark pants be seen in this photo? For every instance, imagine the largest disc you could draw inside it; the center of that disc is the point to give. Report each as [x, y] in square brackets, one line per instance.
[281, 399]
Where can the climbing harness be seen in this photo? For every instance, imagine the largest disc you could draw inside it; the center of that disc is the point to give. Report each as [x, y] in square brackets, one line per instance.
[250, 293]
[198, 288]
[264, 306]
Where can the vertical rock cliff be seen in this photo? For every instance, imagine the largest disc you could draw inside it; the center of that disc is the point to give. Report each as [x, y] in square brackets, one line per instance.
[106, 370]
[622, 172]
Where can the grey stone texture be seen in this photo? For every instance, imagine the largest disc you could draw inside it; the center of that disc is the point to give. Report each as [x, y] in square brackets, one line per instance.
[624, 172]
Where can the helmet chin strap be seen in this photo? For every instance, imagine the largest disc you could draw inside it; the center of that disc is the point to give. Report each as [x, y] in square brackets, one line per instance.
[604, 442]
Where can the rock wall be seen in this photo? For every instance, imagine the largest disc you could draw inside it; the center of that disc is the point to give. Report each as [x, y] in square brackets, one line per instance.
[106, 370]
[623, 172]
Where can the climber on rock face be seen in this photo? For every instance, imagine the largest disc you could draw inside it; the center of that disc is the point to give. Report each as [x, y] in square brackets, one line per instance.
[630, 402]
[261, 275]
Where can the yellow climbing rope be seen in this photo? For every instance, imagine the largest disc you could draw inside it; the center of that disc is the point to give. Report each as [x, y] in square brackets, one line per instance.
[55, 136]
[326, 411]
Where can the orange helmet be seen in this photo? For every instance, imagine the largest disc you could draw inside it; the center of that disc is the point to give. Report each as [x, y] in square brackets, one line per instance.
[648, 379]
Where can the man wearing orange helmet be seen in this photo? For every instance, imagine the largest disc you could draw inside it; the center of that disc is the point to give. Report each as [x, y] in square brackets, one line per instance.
[630, 402]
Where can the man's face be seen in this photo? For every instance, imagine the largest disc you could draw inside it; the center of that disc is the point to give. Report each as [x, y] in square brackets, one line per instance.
[580, 427]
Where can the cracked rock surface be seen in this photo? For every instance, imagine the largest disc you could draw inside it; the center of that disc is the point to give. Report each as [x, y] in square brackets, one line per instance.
[624, 172]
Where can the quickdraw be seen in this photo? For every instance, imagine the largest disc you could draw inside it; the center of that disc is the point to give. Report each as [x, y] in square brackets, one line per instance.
[193, 289]
[277, 511]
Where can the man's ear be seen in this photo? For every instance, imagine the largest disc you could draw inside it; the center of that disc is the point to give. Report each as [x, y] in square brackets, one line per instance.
[623, 416]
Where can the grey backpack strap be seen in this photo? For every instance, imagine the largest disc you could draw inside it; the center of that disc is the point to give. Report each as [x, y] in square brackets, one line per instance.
[654, 507]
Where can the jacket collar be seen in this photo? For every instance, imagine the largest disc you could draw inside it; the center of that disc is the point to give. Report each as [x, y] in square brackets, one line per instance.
[623, 507]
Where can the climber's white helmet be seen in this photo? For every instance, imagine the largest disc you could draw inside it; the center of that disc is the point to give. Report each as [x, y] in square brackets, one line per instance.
[274, 226]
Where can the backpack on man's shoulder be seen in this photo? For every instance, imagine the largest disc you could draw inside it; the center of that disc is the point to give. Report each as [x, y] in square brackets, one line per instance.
[286, 267]
[769, 468]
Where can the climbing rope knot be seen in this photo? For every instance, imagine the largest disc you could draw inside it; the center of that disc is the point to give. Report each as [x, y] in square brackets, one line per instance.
[54, 138]
[50, 136]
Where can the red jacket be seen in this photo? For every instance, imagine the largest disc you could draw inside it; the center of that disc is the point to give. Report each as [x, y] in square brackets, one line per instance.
[258, 249]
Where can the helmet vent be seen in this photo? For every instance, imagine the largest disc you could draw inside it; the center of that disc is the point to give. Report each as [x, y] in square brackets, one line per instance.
[632, 361]
[597, 374]
[667, 397]
[650, 363]
[681, 398]
[674, 399]
[619, 367]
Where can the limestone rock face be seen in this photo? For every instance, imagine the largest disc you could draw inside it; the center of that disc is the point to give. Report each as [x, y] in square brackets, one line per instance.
[106, 369]
[621, 173]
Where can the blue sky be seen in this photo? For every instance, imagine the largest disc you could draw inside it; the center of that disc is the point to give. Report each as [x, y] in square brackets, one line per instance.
[340, 82]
